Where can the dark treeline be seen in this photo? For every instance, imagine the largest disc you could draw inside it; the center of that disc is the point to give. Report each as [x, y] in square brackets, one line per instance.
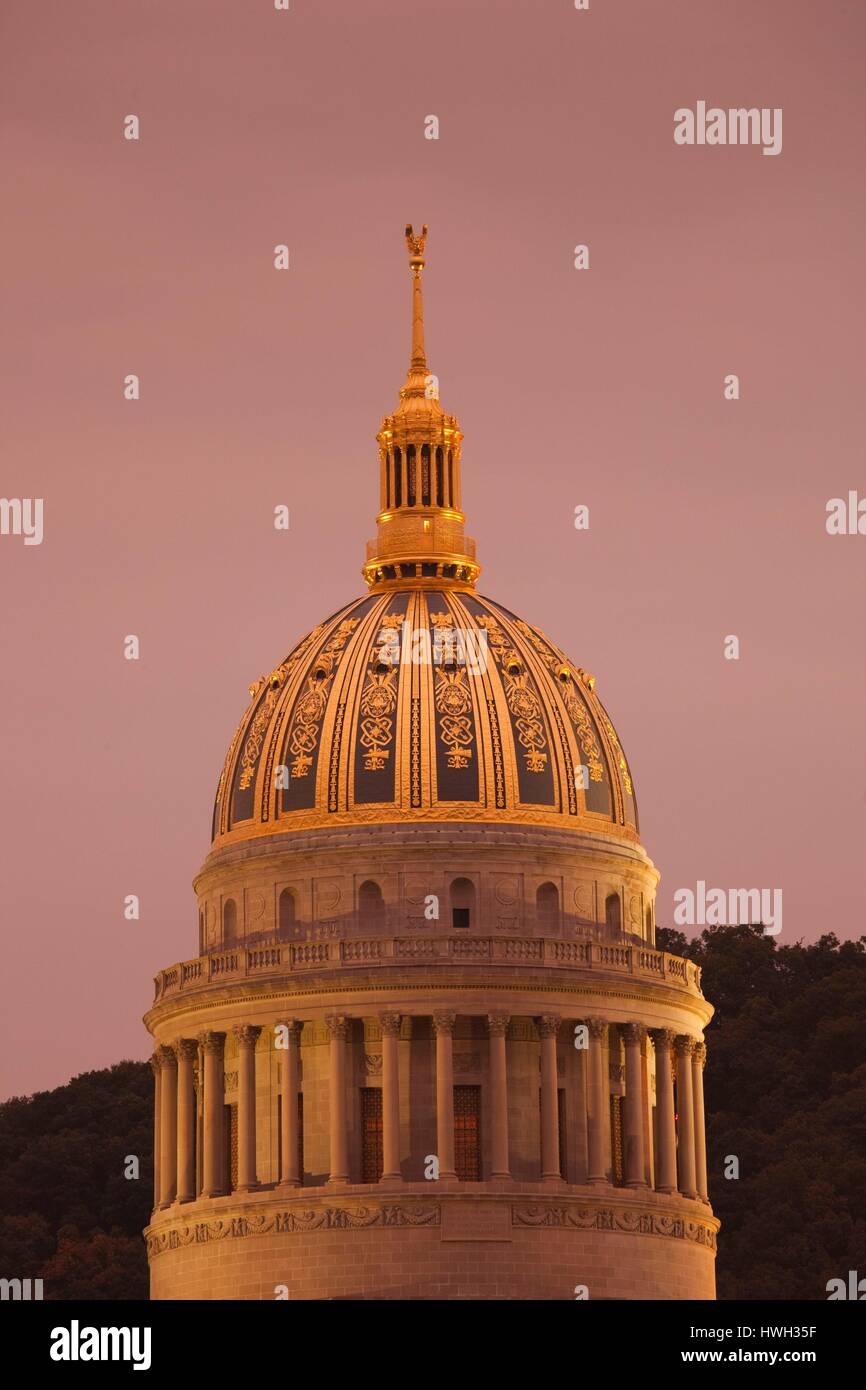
[785, 1088]
[785, 1095]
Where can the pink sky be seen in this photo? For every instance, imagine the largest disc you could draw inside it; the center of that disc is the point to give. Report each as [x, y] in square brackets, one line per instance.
[601, 387]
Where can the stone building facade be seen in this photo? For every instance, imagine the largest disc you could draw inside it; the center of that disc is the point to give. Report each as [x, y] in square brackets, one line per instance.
[428, 1048]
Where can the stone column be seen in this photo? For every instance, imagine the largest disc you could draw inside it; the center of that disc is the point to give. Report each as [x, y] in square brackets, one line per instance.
[167, 1126]
[157, 1072]
[699, 1058]
[686, 1115]
[635, 1042]
[290, 1175]
[338, 1026]
[666, 1166]
[443, 1027]
[213, 1178]
[186, 1051]
[390, 1025]
[548, 1028]
[597, 1094]
[497, 1025]
[247, 1037]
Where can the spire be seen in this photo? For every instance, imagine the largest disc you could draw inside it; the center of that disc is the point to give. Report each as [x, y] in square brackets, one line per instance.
[421, 539]
[416, 244]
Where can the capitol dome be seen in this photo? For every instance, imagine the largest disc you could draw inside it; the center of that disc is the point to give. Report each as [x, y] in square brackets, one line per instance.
[423, 701]
[424, 704]
[428, 1047]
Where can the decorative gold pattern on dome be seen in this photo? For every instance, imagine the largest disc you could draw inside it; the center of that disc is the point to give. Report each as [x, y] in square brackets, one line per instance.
[513, 720]
[521, 698]
[310, 709]
[558, 664]
[453, 704]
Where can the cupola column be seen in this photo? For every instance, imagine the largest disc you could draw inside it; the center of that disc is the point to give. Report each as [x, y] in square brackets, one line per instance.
[443, 1027]
[247, 1037]
[596, 1096]
[157, 1073]
[497, 1025]
[290, 1176]
[390, 1025]
[699, 1058]
[686, 1115]
[167, 1126]
[666, 1170]
[635, 1043]
[339, 1027]
[213, 1178]
[548, 1027]
[186, 1051]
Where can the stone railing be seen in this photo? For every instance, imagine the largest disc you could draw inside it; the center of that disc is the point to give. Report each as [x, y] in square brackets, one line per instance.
[295, 957]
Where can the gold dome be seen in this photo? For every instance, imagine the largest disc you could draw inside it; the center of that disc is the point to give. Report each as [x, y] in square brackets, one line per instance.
[424, 704]
[423, 701]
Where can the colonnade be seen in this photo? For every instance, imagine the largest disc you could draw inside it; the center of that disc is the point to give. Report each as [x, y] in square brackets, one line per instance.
[680, 1159]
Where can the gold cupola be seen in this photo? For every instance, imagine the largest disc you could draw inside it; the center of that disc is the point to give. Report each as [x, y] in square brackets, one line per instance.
[421, 541]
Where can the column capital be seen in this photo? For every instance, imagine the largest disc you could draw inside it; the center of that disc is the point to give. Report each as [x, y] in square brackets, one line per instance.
[212, 1044]
[338, 1026]
[548, 1025]
[634, 1033]
[185, 1049]
[293, 1027]
[154, 1063]
[247, 1034]
[390, 1025]
[165, 1056]
[444, 1023]
[662, 1037]
[597, 1027]
[497, 1025]
[700, 1053]
[685, 1045]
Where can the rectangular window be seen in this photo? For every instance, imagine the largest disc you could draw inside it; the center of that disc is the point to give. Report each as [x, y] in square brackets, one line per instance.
[231, 1147]
[371, 1134]
[460, 916]
[616, 1139]
[467, 1133]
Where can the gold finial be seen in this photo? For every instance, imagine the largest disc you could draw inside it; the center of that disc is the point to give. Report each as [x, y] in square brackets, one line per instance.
[416, 246]
[418, 362]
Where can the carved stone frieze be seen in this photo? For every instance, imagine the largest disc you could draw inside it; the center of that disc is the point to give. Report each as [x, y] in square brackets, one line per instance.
[316, 1219]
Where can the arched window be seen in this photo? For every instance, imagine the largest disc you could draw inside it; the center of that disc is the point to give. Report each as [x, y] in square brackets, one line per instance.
[398, 478]
[440, 496]
[613, 912]
[230, 922]
[371, 904]
[649, 926]
[462, 902]
[547, 905]
[287, 912]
